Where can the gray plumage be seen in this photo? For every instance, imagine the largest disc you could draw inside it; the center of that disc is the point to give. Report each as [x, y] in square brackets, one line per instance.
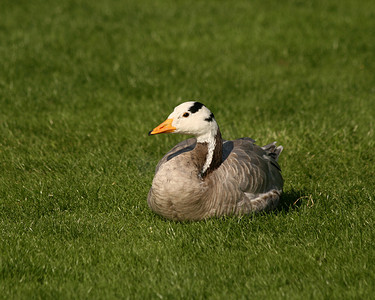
[242, 178]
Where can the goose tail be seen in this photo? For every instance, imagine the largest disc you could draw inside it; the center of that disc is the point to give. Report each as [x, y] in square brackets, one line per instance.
[272, 150]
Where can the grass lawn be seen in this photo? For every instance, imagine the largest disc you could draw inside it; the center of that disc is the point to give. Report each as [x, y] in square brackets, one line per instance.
[82, 83]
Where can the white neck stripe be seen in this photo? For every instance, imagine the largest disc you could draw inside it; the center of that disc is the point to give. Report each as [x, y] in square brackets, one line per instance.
[209, 138]
[210, 154]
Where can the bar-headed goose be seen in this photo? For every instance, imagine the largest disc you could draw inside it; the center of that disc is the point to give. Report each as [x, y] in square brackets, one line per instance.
[206, 176]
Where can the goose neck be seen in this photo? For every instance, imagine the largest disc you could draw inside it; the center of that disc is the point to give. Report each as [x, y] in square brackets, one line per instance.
[208, 153]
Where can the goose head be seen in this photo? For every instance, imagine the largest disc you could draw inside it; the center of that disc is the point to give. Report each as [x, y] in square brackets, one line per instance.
[192, 118]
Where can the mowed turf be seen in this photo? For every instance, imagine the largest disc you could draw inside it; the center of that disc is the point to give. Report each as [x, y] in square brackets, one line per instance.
[82, 83]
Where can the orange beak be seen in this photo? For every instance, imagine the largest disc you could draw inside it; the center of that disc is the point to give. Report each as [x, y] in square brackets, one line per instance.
[165, 127]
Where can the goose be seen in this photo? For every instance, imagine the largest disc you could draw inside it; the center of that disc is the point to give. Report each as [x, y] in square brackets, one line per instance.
[207, 176]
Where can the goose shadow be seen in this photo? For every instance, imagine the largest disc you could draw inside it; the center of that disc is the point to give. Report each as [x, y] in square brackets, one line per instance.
[289, 201]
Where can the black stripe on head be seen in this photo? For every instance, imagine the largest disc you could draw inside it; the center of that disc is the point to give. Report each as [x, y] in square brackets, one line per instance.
[196, 106]
[210, 118]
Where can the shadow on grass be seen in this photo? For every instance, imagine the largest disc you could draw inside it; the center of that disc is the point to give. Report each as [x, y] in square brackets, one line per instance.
[290, 200]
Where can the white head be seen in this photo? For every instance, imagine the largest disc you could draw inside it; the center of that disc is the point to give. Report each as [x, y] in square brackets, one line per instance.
[190, 118]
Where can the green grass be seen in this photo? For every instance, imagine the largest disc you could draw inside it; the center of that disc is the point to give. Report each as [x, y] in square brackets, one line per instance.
[82, 83]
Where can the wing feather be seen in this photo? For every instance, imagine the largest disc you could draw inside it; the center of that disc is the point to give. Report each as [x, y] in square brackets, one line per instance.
[247, 173]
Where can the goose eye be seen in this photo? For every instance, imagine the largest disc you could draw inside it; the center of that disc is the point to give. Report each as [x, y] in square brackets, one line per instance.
[185, 115]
